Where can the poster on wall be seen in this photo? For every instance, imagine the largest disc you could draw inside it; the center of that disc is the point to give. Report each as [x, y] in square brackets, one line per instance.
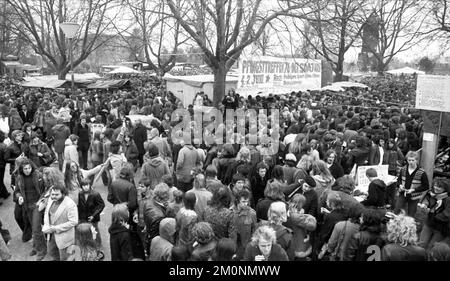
[267, 75]
[363, 181]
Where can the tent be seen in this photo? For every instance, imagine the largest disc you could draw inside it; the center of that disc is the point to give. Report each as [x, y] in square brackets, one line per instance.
[123, 70]
[347, 84]
[46, 84]
[185, 87]
[109, 84]
[405, 70]
[332, 88]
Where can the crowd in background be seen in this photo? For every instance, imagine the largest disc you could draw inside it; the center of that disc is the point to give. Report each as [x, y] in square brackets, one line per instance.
[212, 201]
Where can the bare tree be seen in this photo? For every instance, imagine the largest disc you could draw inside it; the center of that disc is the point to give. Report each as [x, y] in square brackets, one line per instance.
[224, 28]
[333, 31]
[161, 35]
[400, 25]
[39, 25]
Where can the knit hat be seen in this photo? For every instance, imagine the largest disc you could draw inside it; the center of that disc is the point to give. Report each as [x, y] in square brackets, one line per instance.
[291, 157]
[310, 181]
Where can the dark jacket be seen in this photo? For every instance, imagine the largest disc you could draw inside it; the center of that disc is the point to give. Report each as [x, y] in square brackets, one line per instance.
[84, 134]
[13, 151]
[439, 215]
[396, 252]
[43, 148]
[92, 206]
[38, 184]
[377, 194]
[119, 240]
[326, 229]
[357, 249]
[359, 156]
[263, 207]
[153, 214]
[276, 254]
[311, 206]
[28, 117]
[3, 149]
[245, 222]
[139, 137]
[131, 152]
[336, 170]
[123, 191]
[60, 132]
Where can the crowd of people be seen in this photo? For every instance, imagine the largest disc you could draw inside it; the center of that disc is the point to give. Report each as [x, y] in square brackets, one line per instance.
[214, 201]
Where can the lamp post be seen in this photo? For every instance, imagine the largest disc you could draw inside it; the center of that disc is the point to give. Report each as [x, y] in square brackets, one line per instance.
[70, 29]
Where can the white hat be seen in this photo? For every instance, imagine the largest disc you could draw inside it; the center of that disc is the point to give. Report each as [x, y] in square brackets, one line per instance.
[291, 157]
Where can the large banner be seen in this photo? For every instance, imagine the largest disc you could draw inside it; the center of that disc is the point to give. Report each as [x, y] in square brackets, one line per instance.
[278, 75]
[433, 93]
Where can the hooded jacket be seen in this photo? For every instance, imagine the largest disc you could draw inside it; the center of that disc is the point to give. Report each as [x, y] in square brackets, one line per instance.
[154, 169]
[60, 132]
[187, 161]
[161, 246]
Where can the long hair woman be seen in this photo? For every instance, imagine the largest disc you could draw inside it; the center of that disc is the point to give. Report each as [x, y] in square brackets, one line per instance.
[85, 248]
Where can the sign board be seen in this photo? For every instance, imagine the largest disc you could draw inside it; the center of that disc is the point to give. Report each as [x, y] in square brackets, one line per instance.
[433, 93]
[278, 75]
[363, 181]
[95, 128]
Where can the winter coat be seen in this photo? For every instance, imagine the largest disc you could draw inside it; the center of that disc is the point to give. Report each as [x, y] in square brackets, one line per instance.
[84, 133]
[358, 245]
[15, 122]
[326, 228]
[123, 191]
[60, 132]
[92, 206]
[222, 222]
[161, 246]
[203, 197]
[301, 225]
[96, 151]
[116, 162]
[13, 151]
[139, 137]
[120, 244]
[70, 152]
[439, 215]
[41, 147]
[187, 161]
[153, 214]
[276, 254]
[396, 252]
[340, 238]
[377, 194]
[186, 219]
[246, 224]
[131, 152]
[154, 169]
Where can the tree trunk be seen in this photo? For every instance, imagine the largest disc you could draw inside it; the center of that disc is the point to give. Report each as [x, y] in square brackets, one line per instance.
[339, 74]
[62, 73]
[220, 75]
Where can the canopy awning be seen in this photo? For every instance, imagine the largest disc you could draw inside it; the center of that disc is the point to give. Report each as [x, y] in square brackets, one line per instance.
[46, 84]
[405, 70]
[347, 84]
[109, 84]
